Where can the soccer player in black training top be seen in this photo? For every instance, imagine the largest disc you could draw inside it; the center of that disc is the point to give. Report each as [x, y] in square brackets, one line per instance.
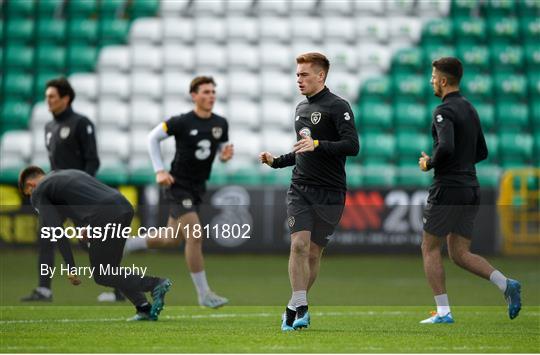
[326, 135]
[74, 194]
[71, 143]
[200, 134]
[454, 196]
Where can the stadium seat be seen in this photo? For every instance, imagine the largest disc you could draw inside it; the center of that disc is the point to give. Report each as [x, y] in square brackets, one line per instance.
[16, 9]
[376, 88]
[410, 115]
[276, 7]
[145, 114]
[210, 29]
[112, 114]
[276, 113]
[474, 57]
[245, 143]
[274, 28]
[81, 58]
[511, 115]
[209, 55]
[470, 30]
[40, 116]
[51, 30]
[477, 86]
[371, 29]
[49, 8]
[242, 56]
[178, 57]
[378, 175]
[339, 28]
[303, 46]
[112, 171]
[15, 146]
[112, 84]
[240, 7]
[147, 57]
[244, 84]
[342, 56]
[114, 58]
[86, 108]
[342, 7]
[277, 177]
[112, 9]
[277, 141]
[529, 9]
[515, 146]
[243, 112]
[407, 60]
[212, 8]
[344, 85]
[275, 84]
[411, 176]
[503, 29]
[18, 84]
[146, 85]
[410, 85]
[374, 115]
[175, 30]
[146, 31]
[488, 175]
[15, 114]
[19, 30]
[438, 31]
[176, 84]
[510, 86]
[40, 80]
[436, 51]
[532, 56]
[113, 31]
[399, 7]
[405, 29]
[80, 30]
[144, 8]
[275, 55]
[38, 143]
[51, 57]
[378, 146]
[507, 57]
[242, 29]
[19, 57]
[112, 143]
[312, 32]
[492, 141]
[174, 8]
[140, 170]
[373, 56]
[82, 8]
[85, 85]
[410, 145]
[486, 113]
[432, 9]
[362, 8]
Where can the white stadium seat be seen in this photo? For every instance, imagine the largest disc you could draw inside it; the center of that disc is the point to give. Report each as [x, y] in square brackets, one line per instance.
[40, 116]
[209, 55]
[343, 84]
[244, 84]
[84, 84]
[279, 7]
[239, 6]
[113, 114]
[177, 56]
[405, 29]
[145, 113]
[209, 7]
[221, 108]
[146, 57]
[247, 144]
[85, 108]
[300, 47]
[113, 58]
[277, 113]
[242, 28]
[173, 8]
[277, 84]
[339, 28]
[16, 144]
[138, 142]
[373, 56]
[178, 30]
[303, 7]
[342, 56]
[243, 112]
[114, 84]
[146, 30]
[210, 29]
[343, 7]
[400, 7]
[174, 106]
[176, 84]
[113, 143]
[370, 29]
[277, 141]
[275, 29]
[433, 8]
[369, 8]
[38, 142]
[41, 159]
[276, 55]
[307, 28]
[146, 85]
[242, 56]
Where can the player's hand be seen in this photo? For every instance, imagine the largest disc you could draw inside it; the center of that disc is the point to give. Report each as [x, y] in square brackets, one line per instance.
[164, 178]
[74, 279]
[305, 144]
[266, 158]
[227, 152]
[423, 162]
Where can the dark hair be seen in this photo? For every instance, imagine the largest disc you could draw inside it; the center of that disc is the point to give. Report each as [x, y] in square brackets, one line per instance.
[315, 58]
[200, 80]
[451, 67]
[63, 86]
[29, 173]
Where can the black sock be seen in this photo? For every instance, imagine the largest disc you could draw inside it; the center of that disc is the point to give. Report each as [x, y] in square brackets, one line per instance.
[290, 316]
[301, 311]
[144, 308]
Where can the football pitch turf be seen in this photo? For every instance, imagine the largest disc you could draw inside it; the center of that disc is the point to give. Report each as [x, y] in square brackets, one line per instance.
[359, 304]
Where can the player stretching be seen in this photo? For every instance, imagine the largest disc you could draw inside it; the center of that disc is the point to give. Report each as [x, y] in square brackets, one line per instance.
[326, 135]
[76, 195]
[199, 134]
[454, 196]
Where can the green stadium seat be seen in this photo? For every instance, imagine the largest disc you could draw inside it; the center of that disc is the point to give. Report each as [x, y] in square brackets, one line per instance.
[354, 174]
[19, 56]
[534, 85]
[510, 86]
[246, 176]
[17, 9]
[49, 8]
[379, 175]
[113, 175]
[437, 31]
[81, 58]
[537, 145]
[512, 115]
[18, 84]
[407, 60]
[470, 30]
[501, 8]
[411, 176]
[83, 30]
[529, 8]
[474, 57]
[376, 88]
[530, 29]
[410, 85]
[114, 31]
[516, 147]
[492, 142]
[532, 55]
[112, 8]
[534, 107]
[20, 30]
[374, 115]
[142, 175]
[1, 28]
[274, 177]
[507, 57]
[15, 114]
[503, 29]
[486, 113]
[82, 8]
[51, 30]
[51, 57]
[488, 174]
[436, 51]
[464, 7]
[143, 8]
[477, 86]
[41, 80]
[410, 115]
[378, 146]
[410, 145]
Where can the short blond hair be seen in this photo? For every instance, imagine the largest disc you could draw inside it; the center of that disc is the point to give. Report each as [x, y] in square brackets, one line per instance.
[315, 58]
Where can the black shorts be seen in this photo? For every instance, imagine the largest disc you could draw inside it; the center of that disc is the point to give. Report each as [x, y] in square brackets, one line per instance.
[183, 199]
[314, 209]
[451, 210]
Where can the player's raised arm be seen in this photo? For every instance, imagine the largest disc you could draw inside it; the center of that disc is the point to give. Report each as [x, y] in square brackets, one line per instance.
[155, 136]
[348, 144]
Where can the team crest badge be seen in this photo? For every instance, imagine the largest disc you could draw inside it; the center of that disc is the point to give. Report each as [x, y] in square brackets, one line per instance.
[305, 132]
[64, 132]
[187, 203]
[315, 117]
[217, 132]
[290, 221]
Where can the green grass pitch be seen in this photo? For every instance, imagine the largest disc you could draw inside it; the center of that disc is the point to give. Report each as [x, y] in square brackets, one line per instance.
[359, 304]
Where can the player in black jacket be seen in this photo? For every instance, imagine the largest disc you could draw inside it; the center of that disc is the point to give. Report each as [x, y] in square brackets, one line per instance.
[199, 134]
[76, 195]
[454, 196]
[326, 135]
